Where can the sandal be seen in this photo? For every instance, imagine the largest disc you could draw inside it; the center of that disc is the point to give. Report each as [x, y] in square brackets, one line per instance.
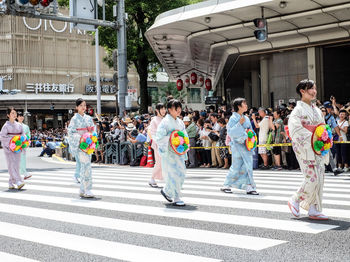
[226, 190]
[295, 211]
[166, 196]
[318, 217]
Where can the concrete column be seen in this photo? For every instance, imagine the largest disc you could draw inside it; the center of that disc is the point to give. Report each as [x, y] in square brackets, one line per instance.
[247, 91]
[264, 83]
[255, 88]
[315, 68]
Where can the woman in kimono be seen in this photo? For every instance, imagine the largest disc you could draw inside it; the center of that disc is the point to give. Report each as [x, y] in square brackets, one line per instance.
[10, 129]
[79, 125]
[23, 165]
[157, 170]
[240, 174]
[173, 165]
[302, 122]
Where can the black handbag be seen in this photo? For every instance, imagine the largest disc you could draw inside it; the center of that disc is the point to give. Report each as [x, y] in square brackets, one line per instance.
[213, 137]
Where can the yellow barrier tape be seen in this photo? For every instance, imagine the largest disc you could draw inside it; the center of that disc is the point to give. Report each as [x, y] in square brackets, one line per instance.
[267, 145]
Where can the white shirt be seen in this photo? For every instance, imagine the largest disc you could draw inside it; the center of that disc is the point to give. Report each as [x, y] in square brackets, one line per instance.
[263, 130]
[343, 124]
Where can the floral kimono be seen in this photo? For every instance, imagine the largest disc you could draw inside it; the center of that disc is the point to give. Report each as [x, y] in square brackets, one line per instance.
[23, 165]
[157, 170]
[78, 126]
[240, 173]
[311, 165]
[173, 165]
[13, 159]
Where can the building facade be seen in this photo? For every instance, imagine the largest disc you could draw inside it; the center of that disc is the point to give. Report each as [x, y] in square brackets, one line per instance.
[46, 65]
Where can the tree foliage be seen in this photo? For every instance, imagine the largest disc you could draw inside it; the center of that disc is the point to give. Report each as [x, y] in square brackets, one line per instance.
[141, 16]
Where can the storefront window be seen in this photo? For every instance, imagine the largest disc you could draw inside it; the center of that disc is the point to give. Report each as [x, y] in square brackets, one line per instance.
[194, 95]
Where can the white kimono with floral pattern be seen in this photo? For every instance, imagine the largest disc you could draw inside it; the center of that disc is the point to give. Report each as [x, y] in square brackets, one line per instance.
[311, 165]
[173, 165]
[83, 160]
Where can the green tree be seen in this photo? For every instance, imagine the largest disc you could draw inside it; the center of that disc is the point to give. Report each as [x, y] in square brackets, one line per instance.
[141, 16]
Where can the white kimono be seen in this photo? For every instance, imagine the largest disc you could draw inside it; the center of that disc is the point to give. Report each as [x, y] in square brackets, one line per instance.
[311, 165]
[173, 165]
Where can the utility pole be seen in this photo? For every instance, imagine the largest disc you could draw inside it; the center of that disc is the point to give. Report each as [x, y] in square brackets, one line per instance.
[122, 55]
[97, 57]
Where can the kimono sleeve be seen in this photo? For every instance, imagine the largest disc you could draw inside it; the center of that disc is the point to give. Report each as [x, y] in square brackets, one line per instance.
[301, 137]
[162, 138]
[4, 136]
[72, 128]
[235, 130]
[152, 129]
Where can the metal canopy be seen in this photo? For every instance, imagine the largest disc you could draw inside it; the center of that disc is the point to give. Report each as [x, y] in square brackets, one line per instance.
[203, 35]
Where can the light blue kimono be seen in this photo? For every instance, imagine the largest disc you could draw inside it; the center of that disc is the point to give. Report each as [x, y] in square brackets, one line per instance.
[241, 171]
[23, 165]
[173, 165]
[83, 160]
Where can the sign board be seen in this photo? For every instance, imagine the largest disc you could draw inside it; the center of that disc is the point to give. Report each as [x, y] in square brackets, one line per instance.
[292, 100]
[49, 88]
[213, 100]
[107, 89]
[280, 102]
[132, 93]
[82, 9]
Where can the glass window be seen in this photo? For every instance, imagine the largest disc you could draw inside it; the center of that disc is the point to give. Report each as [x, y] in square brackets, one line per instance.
[194, 95]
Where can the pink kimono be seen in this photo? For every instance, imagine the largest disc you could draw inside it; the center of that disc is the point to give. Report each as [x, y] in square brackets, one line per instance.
[157, 170]
[8, 131]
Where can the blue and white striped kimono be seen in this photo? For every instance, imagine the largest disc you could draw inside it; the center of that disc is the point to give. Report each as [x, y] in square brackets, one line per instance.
[173, 165]
[83, 160]
[241, 171]
[23, 165]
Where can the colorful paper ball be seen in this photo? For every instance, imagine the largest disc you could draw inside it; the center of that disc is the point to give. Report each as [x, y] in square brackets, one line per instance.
[88, 141]
[90, 151]
[94, 134]
[83, 145]
[187, 140]
[180, 148]
[319, 131]
[23, 138]
[94, 139]
[250, 134]
[181, 133]
[182, 141]
[185, 147]
[176, 141]
[18, 143]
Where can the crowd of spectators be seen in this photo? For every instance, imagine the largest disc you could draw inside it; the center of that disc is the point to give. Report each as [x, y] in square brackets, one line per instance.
[207, 129]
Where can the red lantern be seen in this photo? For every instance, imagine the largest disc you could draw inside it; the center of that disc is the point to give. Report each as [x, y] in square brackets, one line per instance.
[201, 80]
[179, 84]
[208, 84]
[187, 81]
[34, 2]
[193, 78]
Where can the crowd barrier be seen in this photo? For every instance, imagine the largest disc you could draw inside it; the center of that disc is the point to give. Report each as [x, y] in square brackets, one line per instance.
[116, 151]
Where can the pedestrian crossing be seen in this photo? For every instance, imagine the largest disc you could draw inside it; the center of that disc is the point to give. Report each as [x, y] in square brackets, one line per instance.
[141, 226]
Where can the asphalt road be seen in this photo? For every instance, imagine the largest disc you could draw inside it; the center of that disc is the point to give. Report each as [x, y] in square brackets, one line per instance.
[130, 221]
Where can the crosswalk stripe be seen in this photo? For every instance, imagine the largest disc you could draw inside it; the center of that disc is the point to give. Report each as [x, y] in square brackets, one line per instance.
[199, 201]
[219, 173]
[6, 257]
[286, 225]
[197, 235]
[94, 246]
[330, 181]
[328, 187]
[208, 193]
[192, 184]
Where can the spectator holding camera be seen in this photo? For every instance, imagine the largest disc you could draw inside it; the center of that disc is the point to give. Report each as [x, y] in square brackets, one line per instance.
[330, 120]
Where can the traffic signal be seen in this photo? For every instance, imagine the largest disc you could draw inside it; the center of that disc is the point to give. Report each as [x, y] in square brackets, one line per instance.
[34, 3]
[260, 31]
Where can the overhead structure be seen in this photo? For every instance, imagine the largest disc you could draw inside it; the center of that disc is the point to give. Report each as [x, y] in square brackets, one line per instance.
[203, 35]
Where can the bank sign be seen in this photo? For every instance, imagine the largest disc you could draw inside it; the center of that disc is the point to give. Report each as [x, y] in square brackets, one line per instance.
[38, 88]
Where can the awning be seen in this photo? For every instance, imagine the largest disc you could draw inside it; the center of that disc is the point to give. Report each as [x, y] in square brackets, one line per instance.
[203, 35]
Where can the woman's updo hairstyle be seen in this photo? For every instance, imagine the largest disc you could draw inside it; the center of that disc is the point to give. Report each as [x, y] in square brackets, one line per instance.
[79, 101]
[305, 84]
